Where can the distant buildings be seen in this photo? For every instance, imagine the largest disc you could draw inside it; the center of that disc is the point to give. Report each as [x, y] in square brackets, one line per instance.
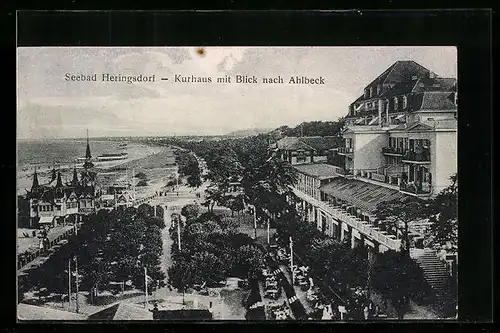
[56, 202]
[297, 150]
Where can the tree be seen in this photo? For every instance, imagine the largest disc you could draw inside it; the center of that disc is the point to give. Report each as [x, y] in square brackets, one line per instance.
[443, 213]
[145, 210]
[397, 214]
[398, 277]
[190, 211]
[267, 186]
[209, 268]
[181, 275]
[236, 203]
[194, 180]
[215, 194]
[248, 262]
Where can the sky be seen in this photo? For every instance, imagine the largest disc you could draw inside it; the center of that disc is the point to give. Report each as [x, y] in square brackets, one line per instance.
[48, 106]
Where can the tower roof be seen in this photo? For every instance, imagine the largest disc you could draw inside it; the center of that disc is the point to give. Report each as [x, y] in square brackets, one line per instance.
[88, 155]
[59, 180]
[75, 177]
[35, 184]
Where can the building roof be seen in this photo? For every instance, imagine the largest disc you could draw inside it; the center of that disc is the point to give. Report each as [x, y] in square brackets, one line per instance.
[436, 101]
[33, 312]
[425, 84]
[414, 80]
[365, 196]
[122, 311]
[317, 143]
[317, 170]
[400, 71]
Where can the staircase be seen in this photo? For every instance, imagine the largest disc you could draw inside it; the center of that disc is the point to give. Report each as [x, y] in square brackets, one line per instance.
[435, 271]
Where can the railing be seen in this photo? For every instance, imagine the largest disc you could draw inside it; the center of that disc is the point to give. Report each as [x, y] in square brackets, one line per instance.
[346, 150]
[344, 172]
[378, 177]
[417, 156]
[364, 227]
[393, 150]
[394, 170]
[416, 188]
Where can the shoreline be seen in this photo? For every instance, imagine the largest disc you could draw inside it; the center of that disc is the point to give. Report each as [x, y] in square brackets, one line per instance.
[24, 173]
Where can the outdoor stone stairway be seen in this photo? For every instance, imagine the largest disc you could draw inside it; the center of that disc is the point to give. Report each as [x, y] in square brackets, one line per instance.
[435, 271]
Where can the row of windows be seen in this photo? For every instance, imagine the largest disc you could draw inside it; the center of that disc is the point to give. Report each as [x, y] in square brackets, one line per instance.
[395, 104]
[407, 143]
[69, 205]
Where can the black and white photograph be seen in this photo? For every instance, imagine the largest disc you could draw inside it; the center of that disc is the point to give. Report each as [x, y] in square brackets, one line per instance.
[264, 183]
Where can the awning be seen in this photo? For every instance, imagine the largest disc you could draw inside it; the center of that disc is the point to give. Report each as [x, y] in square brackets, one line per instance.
[46, 219]
[365, 196]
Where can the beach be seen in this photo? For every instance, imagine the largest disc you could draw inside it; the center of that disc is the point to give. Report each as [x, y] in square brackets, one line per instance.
[58, 150]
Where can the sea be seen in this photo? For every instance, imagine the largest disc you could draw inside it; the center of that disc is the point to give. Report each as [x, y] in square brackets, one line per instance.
[62, 153]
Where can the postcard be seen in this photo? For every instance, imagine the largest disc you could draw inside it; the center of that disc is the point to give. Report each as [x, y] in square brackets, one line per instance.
[237, 183]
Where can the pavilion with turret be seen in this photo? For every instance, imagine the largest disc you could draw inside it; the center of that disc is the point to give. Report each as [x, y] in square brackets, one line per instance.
[56, 202]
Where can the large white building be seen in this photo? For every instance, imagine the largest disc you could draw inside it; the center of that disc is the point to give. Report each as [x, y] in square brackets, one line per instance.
[400, 140]
[402, 132]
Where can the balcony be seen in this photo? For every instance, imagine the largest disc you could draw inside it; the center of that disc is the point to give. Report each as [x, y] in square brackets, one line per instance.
[346, 173]
[395, 151]
[383, 176]
[346, 151]
[422, 156]
[416, 188]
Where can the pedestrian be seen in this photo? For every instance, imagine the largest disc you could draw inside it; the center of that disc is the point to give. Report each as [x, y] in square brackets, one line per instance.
[366, 312]
[34, 233]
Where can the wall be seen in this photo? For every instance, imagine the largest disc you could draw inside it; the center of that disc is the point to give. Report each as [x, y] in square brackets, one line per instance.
[422, 117]
[446, 159]
[368, 150]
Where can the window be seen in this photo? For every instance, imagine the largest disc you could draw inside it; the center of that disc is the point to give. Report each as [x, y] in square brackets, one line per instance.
[371, 91]
[386, 105]
[366, 92]
[405, 102]
[395, 103]
[379, 89]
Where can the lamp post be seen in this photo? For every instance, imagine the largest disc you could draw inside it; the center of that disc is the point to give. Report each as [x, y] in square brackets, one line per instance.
[76, 282]
[69, 284]
[178, 219]
[268, 232]
[146, 287]
[291, 260]
[254, 222]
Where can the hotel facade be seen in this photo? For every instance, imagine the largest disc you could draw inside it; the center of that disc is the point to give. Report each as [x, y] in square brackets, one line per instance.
[400, 140]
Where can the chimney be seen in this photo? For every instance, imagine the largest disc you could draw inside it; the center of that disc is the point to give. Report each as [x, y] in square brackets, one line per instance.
[380, 109]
